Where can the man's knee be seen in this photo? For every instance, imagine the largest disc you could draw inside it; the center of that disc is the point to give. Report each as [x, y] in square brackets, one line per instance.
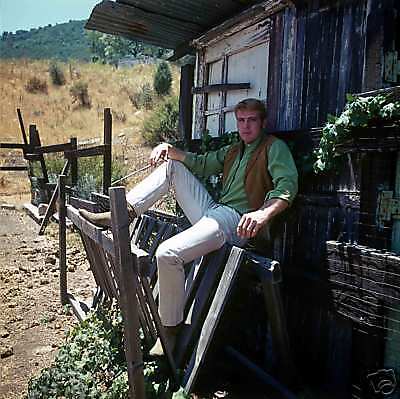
[167, 255]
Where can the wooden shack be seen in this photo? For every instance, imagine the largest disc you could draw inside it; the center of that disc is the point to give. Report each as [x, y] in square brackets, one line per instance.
[342, 283]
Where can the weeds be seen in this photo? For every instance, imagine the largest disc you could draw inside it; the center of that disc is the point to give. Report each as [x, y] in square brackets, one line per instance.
[35, 85]
[56, 75]
[143, 98]
[80, 94]
[90, 173]
[91, 364]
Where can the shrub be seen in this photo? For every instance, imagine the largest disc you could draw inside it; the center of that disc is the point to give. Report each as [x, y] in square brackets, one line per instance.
[56, 74]
[162, 79]
[142, 98]
[80, 94]
[91, 364]
[162, 123]
[36, 85]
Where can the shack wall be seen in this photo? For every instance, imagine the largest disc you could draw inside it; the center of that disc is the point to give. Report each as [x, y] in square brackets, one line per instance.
[318, 52]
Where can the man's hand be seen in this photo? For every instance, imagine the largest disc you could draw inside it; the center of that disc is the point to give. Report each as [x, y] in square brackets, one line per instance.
[251, 223]
[166, 151]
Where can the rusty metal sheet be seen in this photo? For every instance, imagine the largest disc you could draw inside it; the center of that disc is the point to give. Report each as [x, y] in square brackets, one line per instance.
[169, 24]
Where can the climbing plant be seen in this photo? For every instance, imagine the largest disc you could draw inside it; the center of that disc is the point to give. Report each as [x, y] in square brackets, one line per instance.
[359, 112]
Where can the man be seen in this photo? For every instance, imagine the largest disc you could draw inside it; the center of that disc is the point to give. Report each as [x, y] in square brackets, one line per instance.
[259, 182]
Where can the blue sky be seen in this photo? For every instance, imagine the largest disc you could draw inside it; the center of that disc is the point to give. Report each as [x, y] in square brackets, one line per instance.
[26, 14]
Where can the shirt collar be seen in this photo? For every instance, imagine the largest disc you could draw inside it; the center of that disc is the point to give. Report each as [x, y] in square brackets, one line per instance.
[254, 144]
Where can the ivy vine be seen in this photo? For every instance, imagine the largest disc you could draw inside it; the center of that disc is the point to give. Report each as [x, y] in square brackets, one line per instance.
[359, 112]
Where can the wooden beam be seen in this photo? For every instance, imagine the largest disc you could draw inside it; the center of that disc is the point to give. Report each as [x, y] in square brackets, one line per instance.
[212, 265]
[14, 168]
[34, 140]
[62, 239]
[214, 314]
[186, 102]
[48, 149]
[84, 204]
[21, 125]
[128, 287]
[85, 152]
[52, 204]
[17, 146]
[74, 162]
[220, 87]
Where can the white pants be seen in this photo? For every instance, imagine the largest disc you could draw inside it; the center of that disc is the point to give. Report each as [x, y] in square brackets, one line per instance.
[212, 225]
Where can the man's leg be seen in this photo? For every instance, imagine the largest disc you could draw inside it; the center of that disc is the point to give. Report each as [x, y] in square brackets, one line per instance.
[191, 195]
[203, 237]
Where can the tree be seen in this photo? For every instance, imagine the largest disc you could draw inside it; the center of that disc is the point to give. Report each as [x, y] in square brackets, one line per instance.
[162, 79]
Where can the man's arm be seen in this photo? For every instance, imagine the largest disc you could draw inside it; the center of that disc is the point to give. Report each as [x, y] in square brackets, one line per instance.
[283, 171]
[202, 165]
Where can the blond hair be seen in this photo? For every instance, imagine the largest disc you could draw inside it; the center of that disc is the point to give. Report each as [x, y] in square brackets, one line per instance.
[252, 104]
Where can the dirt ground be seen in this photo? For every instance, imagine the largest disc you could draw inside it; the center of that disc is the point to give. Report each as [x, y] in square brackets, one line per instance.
[33, 323]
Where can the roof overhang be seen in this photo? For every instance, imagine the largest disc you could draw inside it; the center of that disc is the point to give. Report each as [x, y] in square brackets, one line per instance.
[174, 24]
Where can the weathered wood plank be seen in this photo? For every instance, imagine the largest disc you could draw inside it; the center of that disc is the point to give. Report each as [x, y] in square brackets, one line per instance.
[52, 204]
[62, 238]
[77, 203]
[212, 266]
[14, 168]
[127, 265]
[220, 87]
[107, 150]
[47, 149]
[86, 152]
[214, 314]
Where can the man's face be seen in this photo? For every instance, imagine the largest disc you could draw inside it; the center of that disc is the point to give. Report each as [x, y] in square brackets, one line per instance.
[249, 125]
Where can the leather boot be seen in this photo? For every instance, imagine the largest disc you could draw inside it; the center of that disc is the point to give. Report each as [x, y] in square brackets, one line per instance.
[170, 335]
[103, 219]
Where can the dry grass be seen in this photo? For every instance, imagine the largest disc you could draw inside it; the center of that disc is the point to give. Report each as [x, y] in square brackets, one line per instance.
[58, 119]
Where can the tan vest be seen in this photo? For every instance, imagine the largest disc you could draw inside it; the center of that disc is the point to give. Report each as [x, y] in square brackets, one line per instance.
[258, 181]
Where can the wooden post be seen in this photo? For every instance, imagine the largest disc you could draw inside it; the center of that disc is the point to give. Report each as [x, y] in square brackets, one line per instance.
[52, 203]
[107, 150]
[186, 102]
[127, 264]
[74, 162]
[34, 140]
[22, 126]
[62, 237]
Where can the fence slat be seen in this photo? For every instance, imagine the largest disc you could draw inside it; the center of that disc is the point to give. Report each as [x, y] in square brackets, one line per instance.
[107, 150]
[62, 235]
[127, 265]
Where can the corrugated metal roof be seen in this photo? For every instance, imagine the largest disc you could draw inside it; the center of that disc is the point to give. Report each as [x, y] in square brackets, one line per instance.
[171, 24]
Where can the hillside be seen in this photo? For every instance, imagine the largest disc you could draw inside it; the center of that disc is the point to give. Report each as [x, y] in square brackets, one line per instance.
[62, 41]
[126, 91]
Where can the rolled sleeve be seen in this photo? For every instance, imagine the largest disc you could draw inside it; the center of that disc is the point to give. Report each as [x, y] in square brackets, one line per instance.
[283, 171]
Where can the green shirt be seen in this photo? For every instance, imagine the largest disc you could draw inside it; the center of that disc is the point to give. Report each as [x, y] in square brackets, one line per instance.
[280, 166]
